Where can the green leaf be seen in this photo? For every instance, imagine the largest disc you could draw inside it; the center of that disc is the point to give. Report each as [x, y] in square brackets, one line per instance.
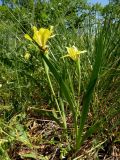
[99, 50]
[63, 88]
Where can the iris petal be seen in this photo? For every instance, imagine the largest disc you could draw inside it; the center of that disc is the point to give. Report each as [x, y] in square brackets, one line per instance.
[41, 36]
[73, 53]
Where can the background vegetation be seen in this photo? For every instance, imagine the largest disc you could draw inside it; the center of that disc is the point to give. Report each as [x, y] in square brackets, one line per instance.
[53, 107]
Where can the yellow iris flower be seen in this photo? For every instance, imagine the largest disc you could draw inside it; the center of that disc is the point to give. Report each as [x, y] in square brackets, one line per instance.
[73, 53]
[41, 36]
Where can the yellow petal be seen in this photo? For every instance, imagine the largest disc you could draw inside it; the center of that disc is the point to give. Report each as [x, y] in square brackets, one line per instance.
[84, 51]
[51, 29]
[73, 53]
[37, 38]
[44, 36]
[41, 36]
[28, 37]
[34, 29]
[67, 55]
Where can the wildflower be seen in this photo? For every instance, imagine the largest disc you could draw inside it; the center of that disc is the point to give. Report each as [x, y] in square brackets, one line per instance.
[73, 53]
[41, 36]
[27, 56]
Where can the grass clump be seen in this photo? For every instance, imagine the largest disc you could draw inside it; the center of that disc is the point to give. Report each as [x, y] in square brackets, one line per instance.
[59, 86]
